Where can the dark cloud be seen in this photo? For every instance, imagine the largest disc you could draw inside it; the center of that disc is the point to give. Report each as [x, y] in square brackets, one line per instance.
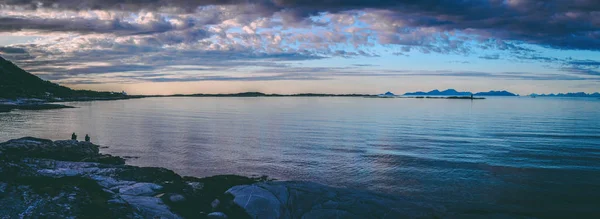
[115, 26]
[85, 63]
[109, 69]
[115, 4]
[589, 63]
[582, 71]
[563, 24]
[539, 58]
[12, 50]
[146, 36]
[582, 67]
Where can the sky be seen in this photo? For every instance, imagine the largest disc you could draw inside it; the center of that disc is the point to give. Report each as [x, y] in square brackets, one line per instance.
[300, 46]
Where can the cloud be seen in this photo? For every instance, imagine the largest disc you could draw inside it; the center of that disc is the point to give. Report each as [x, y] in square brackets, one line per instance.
[582, 71]
[364, 65]
[582, 67]
[12, 50]
[589, 63]
[490, 57]
[150, 24]
[320, 73]
[561, 24]
[148, 36]
[131, 5]
[328, 73]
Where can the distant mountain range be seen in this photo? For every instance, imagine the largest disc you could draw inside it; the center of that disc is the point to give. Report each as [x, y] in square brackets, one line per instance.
[18, 83]
[453, 92]
[449, 92]
[497, 93]
[578, 94]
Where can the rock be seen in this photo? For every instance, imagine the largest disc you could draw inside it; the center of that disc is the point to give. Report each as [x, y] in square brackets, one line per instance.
[150, 207]
[196, 185]
[117, 201]
[105, 159]
[259, 202]
[3, 187]
[138, 189]
[176, 198]
[217, 215]
[66, 150]
[311, 200]
[71, 179]
[215, 204]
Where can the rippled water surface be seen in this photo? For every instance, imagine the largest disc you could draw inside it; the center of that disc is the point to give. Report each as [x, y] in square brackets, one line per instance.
[538, 157]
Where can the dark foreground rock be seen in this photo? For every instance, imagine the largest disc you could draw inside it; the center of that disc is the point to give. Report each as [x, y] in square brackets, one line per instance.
[70, 179]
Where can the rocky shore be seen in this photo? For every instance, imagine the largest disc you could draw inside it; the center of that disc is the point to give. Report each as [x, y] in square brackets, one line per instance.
[42, 106]
[28, 104]
[70, 179]
[7, 105]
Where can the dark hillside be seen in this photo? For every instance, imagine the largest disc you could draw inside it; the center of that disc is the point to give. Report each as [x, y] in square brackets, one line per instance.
[18, 83]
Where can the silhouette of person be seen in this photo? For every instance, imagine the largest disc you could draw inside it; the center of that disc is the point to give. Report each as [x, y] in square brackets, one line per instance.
[73, 136]
[87, 138]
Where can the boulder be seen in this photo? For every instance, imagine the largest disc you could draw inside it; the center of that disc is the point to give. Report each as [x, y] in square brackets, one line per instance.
[150, 207]
[139, 189]
[215, 204]
[65, 150]
[217, 215]
[259, 202]
[176, 198]
[311, 200]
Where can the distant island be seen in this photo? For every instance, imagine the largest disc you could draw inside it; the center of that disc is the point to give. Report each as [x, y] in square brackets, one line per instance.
[453, 92]
[578, 94]
[259, 94]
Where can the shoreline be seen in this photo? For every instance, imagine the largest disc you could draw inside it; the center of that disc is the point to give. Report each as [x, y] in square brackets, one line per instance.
[30, 106]
[70, 178]
[7, 105]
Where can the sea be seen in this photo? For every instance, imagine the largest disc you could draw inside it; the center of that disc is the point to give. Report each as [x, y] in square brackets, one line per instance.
[531, 157]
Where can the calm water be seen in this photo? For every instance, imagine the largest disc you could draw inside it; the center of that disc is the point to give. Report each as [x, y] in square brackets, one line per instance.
[537, 157]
